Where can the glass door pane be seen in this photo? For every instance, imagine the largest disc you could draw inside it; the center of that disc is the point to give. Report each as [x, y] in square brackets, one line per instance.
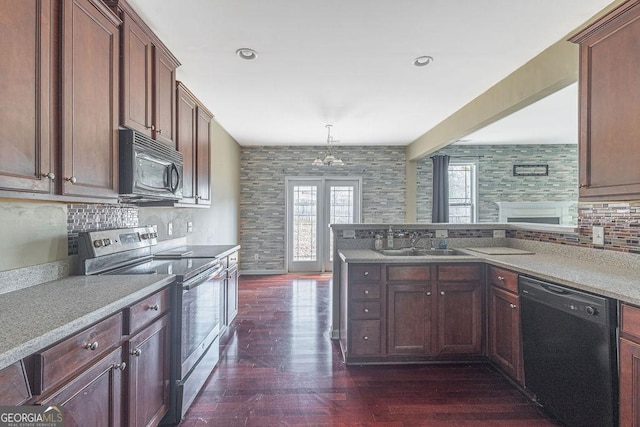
[343, 197]
[305, 223]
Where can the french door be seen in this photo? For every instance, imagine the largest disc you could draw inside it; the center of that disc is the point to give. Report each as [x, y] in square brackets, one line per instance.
[313, 204]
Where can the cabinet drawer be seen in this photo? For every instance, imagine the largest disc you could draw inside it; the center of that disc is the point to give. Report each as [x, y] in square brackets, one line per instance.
[364, 291]
[361, 272]
[630, 320]
[14, 387]
[57, 363]
[460, 272]
[147, 310]
[502, 278]
[365, 337]
[364, 310]
[420, 273]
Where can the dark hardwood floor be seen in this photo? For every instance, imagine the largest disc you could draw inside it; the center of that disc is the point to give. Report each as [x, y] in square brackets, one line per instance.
[278, 367]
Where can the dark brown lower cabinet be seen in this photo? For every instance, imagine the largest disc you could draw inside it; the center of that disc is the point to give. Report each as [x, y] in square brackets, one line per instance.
[14, 386]
[504, 332]
[149, 373]
[408, 318]
[93, 398]
[629, 383]
[459, 318]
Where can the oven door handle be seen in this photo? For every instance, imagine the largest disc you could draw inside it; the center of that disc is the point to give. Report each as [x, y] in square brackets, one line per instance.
[197, 281]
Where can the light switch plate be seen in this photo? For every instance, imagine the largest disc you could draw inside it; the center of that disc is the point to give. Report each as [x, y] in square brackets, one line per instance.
[442, 234]
[189, 227]
[498, 234]
[348, 234]
[598, 235]
[170, 229]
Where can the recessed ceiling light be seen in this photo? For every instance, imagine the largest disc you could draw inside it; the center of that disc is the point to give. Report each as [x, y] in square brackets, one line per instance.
[421, 61]
[246, 53]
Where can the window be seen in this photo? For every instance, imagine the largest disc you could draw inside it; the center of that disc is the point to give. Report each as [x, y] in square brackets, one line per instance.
[462, 193]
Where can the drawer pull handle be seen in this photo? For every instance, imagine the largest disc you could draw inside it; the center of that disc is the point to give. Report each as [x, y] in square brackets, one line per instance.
[366, 291]
[154, 307]
[49, 175]
[366, 310]
[365, 338]
[428, 294]
[512, 305]
[501, 278]
[92, 346]
[121, 366]
[71, 179]
[366, 273]
[137, 352]
[442, 293]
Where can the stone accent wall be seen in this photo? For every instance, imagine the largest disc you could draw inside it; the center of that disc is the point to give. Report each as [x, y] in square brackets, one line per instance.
[85, 217]
[496, 182]
[262, 193]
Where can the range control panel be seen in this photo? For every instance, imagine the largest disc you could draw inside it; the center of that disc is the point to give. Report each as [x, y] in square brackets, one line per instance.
[94, 244]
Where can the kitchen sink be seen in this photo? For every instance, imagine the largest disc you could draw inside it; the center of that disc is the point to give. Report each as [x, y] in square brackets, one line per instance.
[420, 252]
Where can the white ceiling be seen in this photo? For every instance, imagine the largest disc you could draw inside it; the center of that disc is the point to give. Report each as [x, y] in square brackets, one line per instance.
[552, 120]
[349, 63]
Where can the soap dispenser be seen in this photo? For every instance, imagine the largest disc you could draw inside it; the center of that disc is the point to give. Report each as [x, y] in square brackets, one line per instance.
[390, 238]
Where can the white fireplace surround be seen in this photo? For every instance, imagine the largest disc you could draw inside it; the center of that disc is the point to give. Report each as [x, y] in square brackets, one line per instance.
[513, 211]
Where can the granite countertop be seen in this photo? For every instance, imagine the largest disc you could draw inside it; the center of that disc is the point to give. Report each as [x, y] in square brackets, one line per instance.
[38, 316]
[609, 279]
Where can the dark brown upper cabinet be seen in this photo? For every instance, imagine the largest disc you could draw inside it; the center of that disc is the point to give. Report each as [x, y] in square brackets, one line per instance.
[90, 83]
[610, 105]
[193, 141]
[59, 103]
[148, 100]
[27, 34]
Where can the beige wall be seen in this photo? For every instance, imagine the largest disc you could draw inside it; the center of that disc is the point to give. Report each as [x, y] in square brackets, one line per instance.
[218, 224]
[32, 233]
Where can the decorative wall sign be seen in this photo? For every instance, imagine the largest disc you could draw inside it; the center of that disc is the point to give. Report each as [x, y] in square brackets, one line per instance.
[530, 170]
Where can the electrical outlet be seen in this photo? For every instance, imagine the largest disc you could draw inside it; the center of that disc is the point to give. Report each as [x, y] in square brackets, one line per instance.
[348, 234]
[598, 235]
[442, 234]
[498, 234]
[170, 229]
[256, 257]
[189, 227]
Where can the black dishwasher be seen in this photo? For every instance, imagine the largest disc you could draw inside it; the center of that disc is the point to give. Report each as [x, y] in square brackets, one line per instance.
[570, 354]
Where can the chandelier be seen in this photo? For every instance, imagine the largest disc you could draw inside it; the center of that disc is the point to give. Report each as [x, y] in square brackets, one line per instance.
[329, 158]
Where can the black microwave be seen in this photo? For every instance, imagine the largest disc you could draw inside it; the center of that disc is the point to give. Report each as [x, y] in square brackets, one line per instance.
[149, 170]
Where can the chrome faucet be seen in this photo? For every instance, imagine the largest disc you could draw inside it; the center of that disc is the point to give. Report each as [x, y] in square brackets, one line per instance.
[416, 237]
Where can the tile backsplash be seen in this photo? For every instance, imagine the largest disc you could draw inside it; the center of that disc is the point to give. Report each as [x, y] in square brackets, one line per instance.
[86, 217]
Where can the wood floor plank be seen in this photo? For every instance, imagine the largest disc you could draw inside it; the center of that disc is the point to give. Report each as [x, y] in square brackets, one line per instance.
[278, 367]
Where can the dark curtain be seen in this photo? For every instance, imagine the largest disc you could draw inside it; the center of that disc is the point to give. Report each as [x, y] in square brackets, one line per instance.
[440, 212]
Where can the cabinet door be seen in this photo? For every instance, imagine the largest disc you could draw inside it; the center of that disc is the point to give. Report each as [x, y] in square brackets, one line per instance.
[629, 383]
[459, 323]
[164, 103]
[93, 398]
[408, 319]
[90, 99]
[149, 374]
[232, 295]
[14, 386]
[203, 179]
[504, 332]
[186, 142]
[26, 31]
[137, 73]
[610, 106]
